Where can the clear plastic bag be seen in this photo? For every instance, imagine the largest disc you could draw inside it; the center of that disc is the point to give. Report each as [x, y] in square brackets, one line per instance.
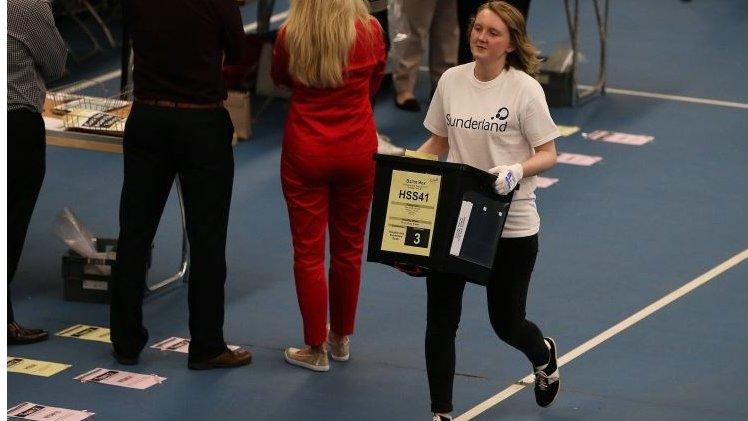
[77, 237]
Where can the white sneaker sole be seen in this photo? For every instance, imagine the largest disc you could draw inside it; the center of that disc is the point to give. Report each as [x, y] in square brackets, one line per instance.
[317, 368]
[333, 356]
[556, 373]
[340, 359]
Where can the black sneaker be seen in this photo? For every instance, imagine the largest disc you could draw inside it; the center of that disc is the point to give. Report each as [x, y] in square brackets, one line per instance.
[547, 380]
[438, 417]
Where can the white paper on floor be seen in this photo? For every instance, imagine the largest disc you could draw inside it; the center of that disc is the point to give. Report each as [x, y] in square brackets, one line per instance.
[178, 344]
[36, 412]
[120, 378]
[616, 137]
[545, 182]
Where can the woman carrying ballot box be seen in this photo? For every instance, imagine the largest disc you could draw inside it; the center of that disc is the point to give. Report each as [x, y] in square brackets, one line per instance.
[492, 114]
[331, 54]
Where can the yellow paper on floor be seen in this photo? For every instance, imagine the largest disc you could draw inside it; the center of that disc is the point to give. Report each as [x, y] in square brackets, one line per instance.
[34, 367]
[567, 130]
[89, 333]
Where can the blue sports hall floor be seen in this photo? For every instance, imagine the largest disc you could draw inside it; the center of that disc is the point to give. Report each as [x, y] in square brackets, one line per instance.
[616, 237]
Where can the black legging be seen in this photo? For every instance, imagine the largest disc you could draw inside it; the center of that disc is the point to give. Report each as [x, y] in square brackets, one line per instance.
[507, 295]
[466, 10]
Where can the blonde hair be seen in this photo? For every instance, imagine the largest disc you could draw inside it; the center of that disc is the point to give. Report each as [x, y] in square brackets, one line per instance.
[319, 36]
[524, 56]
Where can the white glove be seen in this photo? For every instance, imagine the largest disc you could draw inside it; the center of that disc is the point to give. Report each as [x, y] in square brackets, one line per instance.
[507, 177]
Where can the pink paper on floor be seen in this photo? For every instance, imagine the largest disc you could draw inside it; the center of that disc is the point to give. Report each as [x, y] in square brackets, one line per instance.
[577, 159]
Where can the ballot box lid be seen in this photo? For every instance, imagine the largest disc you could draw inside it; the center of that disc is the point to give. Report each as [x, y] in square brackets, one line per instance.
[431, 165]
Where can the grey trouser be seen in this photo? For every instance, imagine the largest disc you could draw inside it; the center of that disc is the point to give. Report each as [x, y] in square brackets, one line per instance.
[435, 20]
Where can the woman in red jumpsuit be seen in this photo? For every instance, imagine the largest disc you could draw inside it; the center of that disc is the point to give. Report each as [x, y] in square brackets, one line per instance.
[330, 53]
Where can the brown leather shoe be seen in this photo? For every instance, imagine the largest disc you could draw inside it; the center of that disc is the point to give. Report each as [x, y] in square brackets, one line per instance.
[18, 335]
[226, 359]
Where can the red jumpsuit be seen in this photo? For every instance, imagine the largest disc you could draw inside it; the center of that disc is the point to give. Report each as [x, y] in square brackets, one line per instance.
[327, 173]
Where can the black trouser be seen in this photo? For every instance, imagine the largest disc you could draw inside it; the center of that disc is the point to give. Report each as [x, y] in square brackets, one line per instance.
[507, 295]
[465, 11]
[26, 166]
[159, 143]
[381, 17]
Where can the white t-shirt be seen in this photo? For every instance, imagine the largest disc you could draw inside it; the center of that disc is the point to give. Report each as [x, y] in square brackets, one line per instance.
[492, 123]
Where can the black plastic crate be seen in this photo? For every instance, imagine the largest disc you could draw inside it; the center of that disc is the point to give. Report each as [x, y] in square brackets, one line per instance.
[558, 87]
[82, 282]
[444, 217]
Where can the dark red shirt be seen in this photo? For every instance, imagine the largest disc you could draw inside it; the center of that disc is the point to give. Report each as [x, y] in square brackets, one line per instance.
[179, 47]
[335, 121]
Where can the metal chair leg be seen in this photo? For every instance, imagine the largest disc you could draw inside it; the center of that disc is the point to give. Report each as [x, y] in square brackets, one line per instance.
[181, 273]
[104, 27]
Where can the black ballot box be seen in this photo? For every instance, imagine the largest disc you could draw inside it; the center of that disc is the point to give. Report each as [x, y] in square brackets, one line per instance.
[89, 280]
[441, 216]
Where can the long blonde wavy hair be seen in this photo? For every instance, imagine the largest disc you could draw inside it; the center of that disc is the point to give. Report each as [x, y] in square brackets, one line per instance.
[319, 36]
[524, 57]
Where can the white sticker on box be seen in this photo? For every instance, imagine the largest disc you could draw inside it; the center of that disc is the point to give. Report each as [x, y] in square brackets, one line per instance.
[99, 270]
[95, 285]
[461, 228]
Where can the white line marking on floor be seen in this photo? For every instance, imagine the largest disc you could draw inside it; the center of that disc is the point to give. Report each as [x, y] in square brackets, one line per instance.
[76, 87]
[673, 97]
[275, 18]
[680, 98]
[604, 336]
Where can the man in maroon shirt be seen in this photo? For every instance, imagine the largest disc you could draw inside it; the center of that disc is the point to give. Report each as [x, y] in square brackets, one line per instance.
[178, 127]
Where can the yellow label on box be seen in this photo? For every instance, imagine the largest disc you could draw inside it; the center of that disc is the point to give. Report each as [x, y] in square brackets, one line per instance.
[411, 212]
[34, 367]
[89, 333]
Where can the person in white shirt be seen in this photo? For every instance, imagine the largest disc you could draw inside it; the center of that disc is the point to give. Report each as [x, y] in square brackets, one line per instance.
[492, 114]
